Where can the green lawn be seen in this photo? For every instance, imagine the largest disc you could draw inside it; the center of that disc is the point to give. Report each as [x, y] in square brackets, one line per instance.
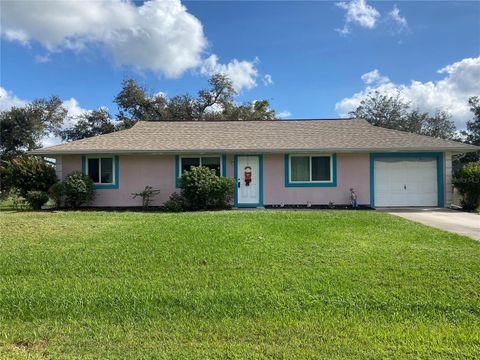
[258, 284]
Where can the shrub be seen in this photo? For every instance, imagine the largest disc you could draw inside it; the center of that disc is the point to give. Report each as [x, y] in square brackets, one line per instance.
[202, 189]
[17, 201]
[176, 203]
[467, 181]
[36, 199]
[26, 173]
[56, 193]
[78, 189]
[147, 195]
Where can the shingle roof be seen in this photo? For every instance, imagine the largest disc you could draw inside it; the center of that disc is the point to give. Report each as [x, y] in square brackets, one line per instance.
[339, 135]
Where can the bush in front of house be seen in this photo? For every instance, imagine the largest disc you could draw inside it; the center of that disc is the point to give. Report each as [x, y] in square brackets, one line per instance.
[467, 181]
[78, 189]
[176, 203]
[202, 189]
[36, 199]
[56, 193]
[27, 173]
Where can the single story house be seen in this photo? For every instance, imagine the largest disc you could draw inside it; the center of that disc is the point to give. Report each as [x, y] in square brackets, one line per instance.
[275, 163]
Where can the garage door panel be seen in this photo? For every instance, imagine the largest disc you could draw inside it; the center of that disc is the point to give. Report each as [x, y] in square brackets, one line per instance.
[405, 182]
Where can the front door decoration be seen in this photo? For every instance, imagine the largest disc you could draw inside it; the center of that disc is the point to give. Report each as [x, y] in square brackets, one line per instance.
[248, 175]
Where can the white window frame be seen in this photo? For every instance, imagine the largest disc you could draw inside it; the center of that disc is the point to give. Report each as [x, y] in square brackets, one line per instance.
[200, 157]
[310, 181]
[100, 168]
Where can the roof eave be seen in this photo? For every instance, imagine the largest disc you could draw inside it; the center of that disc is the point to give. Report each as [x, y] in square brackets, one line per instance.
[45, 152]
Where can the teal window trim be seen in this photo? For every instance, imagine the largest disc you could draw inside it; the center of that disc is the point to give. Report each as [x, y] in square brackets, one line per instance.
[332, 183]
[223, 166]
[116, 171]
[260, 178]
[436, 155]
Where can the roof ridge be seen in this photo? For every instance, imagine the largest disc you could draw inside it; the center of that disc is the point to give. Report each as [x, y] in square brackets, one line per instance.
[248, 121]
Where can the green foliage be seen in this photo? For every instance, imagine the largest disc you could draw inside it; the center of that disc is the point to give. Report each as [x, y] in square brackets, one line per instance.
[392, 112]
[136, 104]
[22, 128]
[175, 203]
[467, 181]
[472, 133]
[235, 285]
[78, 189]
[216, 103]
[88, 124]
[27, 173]
[13, 200]
[203, 190]
[56, 193]
[36, 199]
[147, 195]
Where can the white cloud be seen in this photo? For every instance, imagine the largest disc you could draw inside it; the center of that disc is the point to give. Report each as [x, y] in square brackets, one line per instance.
[358, 12]
[74, 110]
[374, 77]
[284, 114]
[8, 100]
[462, 80]
[158, 35]
[42, 58]
[242, 73]
[397, 18]
[267, 80]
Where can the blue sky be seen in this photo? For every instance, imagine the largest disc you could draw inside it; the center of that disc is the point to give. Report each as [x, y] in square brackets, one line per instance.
[314, 52]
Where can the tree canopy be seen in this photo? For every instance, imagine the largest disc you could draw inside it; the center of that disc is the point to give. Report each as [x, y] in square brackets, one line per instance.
[136, 103]
[90, 123]
[22, 128]
[393, 112]
[472, 133]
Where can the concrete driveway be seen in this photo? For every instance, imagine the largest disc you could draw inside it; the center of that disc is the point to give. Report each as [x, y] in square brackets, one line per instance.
[446, 219]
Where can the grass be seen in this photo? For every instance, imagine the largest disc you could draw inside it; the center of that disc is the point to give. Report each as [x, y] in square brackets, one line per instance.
[262, 284]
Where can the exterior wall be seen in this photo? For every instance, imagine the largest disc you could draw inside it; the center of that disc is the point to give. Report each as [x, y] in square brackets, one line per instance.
[70, 163]
[447, 173]
[59, 167]
[353, 171]
[230, 165]
[135, 172]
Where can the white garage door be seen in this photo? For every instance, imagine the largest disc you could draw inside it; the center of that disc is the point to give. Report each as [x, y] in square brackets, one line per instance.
[406, 182]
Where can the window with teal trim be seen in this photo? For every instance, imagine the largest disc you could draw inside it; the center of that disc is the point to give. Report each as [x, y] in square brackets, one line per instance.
[211, 162]
[101, 170]
[310, 169]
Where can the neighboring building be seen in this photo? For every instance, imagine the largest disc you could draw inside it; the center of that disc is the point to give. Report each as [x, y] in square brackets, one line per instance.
[280, 162]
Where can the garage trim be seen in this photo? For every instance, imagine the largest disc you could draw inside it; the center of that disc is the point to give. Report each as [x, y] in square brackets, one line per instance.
[436, 155]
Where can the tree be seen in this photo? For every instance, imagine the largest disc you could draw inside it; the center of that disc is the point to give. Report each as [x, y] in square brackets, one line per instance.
[394, 113]
[221, 93]
[136, 104]
[215, 103]
[27, 173]
[258, 110]
[439, 125]
[22, 128]
[91, 123]
[472, 133]
[383, 110]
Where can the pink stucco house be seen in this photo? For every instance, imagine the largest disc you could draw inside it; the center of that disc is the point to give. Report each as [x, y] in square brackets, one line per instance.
[275, 163]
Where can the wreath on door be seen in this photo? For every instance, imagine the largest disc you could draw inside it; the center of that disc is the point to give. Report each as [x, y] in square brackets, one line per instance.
[247, 175]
